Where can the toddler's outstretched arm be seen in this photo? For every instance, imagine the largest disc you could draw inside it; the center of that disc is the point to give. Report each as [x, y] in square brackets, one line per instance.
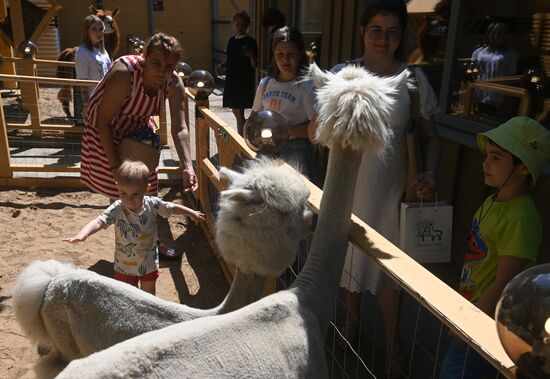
[196, 216]
[92, 227]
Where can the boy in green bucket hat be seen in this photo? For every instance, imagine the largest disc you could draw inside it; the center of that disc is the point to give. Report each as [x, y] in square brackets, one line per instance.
[506, 230]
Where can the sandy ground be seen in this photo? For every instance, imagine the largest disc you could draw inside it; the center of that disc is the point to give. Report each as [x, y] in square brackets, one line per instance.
[33, 222]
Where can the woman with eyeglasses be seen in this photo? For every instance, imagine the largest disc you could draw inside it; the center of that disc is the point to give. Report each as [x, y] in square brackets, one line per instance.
[382, 180]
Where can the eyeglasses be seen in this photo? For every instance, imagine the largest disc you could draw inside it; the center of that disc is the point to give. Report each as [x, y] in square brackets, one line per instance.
[376, 33]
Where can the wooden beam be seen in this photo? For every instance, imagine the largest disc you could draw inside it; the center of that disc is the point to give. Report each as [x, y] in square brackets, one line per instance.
[43, 168]
[46, 80]
[45, 127]
[45, 62]
[54, 8]
[211, 172]
[5, 159]
[17, 25]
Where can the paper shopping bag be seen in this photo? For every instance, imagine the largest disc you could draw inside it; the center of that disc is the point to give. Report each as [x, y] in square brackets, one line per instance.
[425, 231]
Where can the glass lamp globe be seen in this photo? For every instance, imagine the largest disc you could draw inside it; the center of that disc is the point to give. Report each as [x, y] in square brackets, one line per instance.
[266, 132]
[470, 71]
[27, 49]
[183, 70]
[533, 79]
[201, 84]
[523, 321]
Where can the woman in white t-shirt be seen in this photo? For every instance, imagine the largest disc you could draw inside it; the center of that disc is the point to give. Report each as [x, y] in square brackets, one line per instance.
[91, 60]
[284, 92]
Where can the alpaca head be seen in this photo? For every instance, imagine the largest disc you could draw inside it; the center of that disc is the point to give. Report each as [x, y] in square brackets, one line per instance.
[107, 17]
[355, 107]
[262, 217]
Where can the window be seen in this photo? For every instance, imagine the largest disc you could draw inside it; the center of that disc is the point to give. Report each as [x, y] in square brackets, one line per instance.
[503, 58]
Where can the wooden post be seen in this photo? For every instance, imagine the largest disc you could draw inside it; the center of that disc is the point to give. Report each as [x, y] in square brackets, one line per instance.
[202, 147]
[6, 51]
[5, 159]
[30, 94]
[163, 129]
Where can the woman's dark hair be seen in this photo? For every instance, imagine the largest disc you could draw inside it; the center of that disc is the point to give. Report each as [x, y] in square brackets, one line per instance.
[165, 44]
[288, 34]
[398, 8]
[244, 16]
[88, 22]
[273, 17]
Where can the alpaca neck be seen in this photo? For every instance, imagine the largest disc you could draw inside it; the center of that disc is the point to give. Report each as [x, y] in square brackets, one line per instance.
[245, 289]
[111, 42]
[317, 284]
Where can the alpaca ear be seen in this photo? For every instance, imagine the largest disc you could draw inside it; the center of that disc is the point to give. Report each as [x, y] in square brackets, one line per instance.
[93, 9]
[229, 175]
[115, 12]
[318, 76]
[242, 196]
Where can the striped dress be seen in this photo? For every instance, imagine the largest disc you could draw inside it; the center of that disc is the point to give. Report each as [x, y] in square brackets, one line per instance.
[135, 112]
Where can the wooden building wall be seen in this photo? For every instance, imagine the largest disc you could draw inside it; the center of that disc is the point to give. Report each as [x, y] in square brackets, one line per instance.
[191, 23]
[187, 20]
[341, 39]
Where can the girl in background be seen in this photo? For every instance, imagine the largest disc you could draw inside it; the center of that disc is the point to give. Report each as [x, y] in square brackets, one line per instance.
[241, 62]
[91, 60]
[284, 92]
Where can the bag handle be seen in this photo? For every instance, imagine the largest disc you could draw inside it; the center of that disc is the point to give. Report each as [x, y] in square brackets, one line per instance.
[436, 203]
[414, 146]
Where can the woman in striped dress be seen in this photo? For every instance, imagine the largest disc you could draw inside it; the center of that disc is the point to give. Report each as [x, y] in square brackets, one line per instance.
[123, 104]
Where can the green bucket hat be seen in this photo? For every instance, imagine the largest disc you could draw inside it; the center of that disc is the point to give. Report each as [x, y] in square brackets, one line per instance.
[524, 138]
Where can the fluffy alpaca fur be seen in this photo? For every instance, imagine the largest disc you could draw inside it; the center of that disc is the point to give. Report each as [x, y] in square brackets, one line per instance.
[260, 222]
[355, 103]
[28, 294]
[281, 335]
[78, 312]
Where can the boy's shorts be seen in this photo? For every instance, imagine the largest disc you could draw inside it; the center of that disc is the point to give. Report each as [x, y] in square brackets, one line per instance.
[133, 280]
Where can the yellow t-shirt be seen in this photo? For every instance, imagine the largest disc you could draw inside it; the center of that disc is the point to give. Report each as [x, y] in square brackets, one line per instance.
[507, 228]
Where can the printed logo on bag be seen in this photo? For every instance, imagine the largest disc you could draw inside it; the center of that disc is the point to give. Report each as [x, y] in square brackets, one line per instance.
[427, 234]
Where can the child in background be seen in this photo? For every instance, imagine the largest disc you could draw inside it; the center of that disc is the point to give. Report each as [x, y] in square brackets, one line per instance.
[506, 229]
[241, 62]
[134, 216]
[284, 92]
[91, 60]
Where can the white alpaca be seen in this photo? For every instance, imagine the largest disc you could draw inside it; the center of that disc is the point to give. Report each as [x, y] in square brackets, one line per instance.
[78, 312]
[281, 335]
